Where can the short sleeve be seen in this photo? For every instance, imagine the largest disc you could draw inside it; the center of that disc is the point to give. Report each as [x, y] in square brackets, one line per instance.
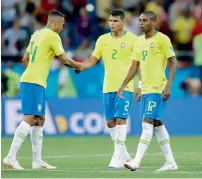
[167, 47]
[136, 54]
[97, 51]
[57, 45]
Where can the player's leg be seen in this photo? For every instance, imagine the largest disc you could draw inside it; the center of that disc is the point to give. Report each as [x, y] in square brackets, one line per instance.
[36, 136]
[18, 139]
[108, 100]
[120, 146]
[111, 124]
[36, 133]
[23, 129]
[145, 139]
[164, 140]
[149, 105]
[122, 106]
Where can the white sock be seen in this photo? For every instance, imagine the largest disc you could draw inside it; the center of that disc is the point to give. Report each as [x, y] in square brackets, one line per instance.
[121, 138]
[36, 136]
[113, 133]
[18, 139]
[164, 141]
[145, 139]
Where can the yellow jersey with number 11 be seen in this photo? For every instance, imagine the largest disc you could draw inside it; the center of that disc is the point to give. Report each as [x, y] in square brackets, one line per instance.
[44, 45]
[116, 54]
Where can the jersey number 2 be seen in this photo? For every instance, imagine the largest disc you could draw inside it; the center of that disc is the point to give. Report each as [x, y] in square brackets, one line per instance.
[114, 54]
[33, 51]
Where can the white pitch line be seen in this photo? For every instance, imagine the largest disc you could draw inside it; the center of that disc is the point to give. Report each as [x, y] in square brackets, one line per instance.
[104, 155]
[103, 171]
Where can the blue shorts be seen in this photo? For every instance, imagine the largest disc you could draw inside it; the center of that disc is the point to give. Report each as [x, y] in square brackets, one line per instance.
[116, 107]
[32, 99]
[152, 106]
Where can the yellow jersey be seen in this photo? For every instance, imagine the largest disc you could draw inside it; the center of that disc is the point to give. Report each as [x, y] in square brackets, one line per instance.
[117, 58]
[183, 28]
[152, 53]
[44, 45]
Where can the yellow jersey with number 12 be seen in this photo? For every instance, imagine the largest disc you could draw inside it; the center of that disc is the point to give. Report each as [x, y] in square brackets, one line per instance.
[117, 58]
[153, 54]
[44, 45]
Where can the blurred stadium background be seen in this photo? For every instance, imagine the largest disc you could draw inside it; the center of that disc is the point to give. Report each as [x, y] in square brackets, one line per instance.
[74, 102]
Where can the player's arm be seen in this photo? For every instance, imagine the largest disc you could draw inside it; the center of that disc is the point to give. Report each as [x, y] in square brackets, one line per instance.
[172, 64]
[87, 64]
[90, 62]
[94, 57]
[25, 59]
[56, 44]
[68, 62]
[131, 73]
[138, 90]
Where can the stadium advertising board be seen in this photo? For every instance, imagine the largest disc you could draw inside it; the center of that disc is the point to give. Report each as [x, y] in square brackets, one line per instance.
[70, 117]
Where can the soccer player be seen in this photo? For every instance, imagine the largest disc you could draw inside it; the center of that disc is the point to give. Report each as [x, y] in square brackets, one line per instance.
[44, 45]
[115, 48]
[152, 53]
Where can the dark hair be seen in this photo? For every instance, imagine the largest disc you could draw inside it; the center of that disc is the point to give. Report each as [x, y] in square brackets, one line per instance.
[56, 13]
[151, 13]
[118, 12]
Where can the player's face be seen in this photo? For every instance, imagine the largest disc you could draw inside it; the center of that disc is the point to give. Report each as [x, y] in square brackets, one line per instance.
[116, 23]
[59, 24]
[146, 23]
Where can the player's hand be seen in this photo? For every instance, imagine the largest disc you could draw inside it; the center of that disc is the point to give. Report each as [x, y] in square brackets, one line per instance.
[120, 92]
[78, 70]
[166, 93]
[138, 94]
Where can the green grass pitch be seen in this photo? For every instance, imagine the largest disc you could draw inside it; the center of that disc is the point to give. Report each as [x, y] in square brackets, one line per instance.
[88, 157]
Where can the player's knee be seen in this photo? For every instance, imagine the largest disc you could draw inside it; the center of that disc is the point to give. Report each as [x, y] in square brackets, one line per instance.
[40, 120]
[149, 121]
[158, 123]
[111, 123]
[31, 120]
[120, 121]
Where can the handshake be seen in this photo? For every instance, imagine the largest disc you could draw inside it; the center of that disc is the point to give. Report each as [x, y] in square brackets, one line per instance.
[79, 68]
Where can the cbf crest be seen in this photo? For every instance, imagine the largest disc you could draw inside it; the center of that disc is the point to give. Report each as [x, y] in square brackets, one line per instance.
[152, 45]
[123, 45]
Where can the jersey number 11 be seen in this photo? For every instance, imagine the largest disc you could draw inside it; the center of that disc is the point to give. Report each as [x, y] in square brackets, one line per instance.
[33, 51]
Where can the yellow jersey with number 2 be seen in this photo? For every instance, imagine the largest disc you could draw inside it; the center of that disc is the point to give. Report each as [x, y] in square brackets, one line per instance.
[153, 53]
[44, 45]
[116, 54]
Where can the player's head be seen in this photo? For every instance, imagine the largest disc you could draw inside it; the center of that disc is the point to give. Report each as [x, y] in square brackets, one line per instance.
[147, 21]
[117, 20]
[56, 19]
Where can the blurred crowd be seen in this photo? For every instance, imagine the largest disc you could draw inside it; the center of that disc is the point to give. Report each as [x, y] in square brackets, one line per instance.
[86, 20]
